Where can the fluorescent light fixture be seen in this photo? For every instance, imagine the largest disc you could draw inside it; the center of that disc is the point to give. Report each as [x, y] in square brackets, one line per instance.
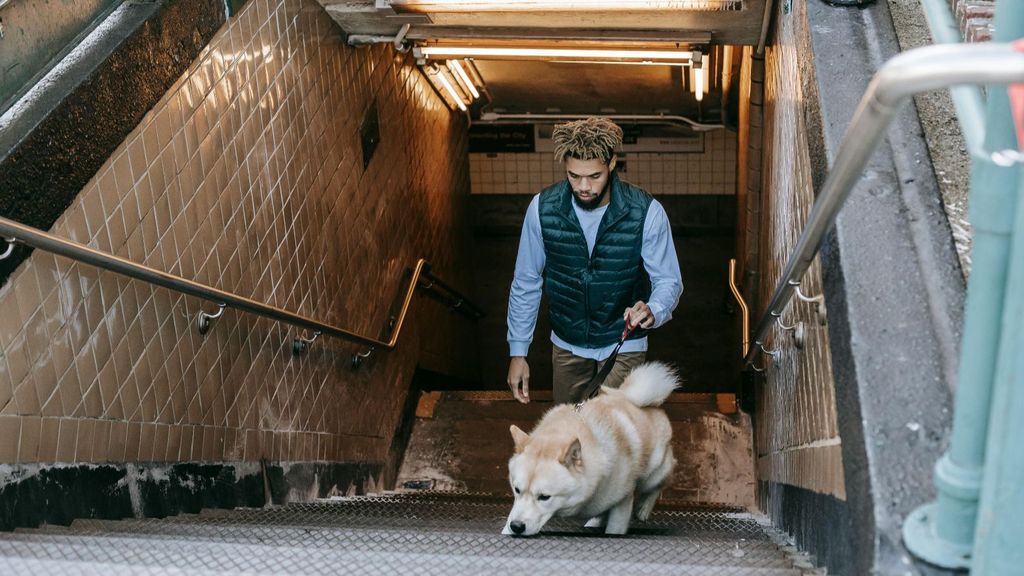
[451, 89]
[637, 63]
[497, 53]
[442, 6]
[463, 78]
[699, 76]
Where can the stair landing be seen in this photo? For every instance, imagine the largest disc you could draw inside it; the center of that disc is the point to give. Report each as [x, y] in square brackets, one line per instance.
[461, 441]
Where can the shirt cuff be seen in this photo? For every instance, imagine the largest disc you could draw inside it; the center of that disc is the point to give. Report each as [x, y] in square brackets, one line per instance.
[518, 347]
[659, 314]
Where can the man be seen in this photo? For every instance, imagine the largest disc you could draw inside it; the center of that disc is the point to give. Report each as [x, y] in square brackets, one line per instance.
[603, 251]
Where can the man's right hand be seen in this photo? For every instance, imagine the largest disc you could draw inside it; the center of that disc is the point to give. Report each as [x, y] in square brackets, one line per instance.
[519, 378]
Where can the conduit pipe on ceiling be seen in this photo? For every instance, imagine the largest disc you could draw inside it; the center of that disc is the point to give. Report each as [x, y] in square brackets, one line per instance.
[766, 19]
[365, 39]
[495, 118]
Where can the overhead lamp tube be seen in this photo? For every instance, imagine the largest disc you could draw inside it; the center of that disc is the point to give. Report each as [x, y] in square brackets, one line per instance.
[699, 86]
[698, 75]
[472, 6]
[451, 90]
[563, 53]
[460, 74]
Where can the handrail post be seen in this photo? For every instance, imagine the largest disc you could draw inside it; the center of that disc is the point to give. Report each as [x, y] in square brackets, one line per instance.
[943, 532]
[967, 100]
[999, 531]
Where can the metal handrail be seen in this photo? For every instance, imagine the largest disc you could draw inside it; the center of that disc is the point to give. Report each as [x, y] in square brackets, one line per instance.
[16, 232]
[909, 73]
[744, 310]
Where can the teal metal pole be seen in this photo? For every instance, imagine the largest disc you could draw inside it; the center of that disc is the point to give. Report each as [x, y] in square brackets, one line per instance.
[1000, 531]
[967, 100]
[942, 532]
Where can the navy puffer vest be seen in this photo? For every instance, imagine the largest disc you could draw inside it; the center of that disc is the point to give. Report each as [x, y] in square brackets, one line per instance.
[587, 294]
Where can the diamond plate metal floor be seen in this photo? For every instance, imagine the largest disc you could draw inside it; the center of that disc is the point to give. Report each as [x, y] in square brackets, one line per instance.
[413, 533]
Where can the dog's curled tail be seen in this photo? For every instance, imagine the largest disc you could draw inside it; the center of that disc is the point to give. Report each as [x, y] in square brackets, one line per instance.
[650, 384]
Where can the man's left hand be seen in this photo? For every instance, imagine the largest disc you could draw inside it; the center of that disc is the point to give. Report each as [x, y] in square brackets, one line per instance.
[639, 315]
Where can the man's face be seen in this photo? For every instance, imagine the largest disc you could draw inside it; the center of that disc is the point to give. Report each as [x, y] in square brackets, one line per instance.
[589, 181]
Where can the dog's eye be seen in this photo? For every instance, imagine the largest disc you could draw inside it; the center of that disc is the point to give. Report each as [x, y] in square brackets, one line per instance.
[516, 489]
[543, 497]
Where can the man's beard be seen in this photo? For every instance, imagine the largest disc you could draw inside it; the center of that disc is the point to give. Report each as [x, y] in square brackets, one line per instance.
[593, 203]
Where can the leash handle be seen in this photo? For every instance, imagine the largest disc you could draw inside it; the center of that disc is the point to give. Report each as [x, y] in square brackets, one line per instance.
[625, 332]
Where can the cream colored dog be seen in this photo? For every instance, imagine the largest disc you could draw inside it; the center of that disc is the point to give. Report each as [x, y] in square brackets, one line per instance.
[606, 460]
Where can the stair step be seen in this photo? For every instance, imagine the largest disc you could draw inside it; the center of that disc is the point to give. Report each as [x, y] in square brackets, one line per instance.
[233, 558]
[424, 532]
[272, 543]
[16, 566]
[369, 538]
[482, 519]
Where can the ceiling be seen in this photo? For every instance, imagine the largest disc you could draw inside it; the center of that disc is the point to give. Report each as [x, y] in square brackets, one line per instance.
[532, 86]
[548, 87]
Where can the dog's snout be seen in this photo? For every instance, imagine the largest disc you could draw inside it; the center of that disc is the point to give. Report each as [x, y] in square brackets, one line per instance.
[517, 527]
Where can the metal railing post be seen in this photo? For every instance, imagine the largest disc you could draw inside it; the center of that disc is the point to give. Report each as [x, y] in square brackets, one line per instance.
[999, 532]
[967, 100]
[943, 532]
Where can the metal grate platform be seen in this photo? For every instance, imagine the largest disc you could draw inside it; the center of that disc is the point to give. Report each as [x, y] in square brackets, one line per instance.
[415, 533]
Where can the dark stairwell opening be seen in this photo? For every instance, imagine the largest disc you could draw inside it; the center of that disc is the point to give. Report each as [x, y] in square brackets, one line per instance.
[702, 339]
[460, 440]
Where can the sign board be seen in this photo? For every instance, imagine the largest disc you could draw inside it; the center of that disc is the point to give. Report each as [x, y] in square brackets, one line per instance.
[501, 138]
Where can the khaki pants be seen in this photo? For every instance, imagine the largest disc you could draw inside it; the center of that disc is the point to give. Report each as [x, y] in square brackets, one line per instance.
[569, 371]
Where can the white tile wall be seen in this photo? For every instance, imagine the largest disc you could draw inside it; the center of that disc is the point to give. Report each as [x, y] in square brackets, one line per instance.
[710, 172]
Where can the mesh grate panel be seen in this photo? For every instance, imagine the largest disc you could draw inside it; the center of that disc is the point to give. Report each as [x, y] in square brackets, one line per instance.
[673, 551]
[422, 533]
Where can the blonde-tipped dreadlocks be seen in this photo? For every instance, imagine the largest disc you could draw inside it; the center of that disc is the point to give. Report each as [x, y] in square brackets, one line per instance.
[587, 139]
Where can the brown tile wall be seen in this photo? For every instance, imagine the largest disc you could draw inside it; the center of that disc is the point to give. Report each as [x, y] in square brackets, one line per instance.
[247, 176]
[797, 438]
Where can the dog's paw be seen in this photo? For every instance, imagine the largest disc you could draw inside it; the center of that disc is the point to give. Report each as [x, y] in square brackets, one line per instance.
[595, 522]
[616, 530]
[645, 507]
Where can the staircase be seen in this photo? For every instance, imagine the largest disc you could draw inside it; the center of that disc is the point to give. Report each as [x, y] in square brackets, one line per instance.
[440, 533]
[459, 443]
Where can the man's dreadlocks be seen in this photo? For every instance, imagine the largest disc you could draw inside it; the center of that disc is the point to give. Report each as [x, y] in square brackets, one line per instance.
[587, 139]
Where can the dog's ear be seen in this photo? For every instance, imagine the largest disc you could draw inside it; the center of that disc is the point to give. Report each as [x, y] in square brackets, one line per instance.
[573, 457]
[519, 437]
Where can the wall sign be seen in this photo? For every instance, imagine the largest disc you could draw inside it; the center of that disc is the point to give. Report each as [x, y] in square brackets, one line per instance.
[501, 138]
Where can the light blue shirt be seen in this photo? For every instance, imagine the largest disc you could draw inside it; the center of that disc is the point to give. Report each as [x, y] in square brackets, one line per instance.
[660, 261]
